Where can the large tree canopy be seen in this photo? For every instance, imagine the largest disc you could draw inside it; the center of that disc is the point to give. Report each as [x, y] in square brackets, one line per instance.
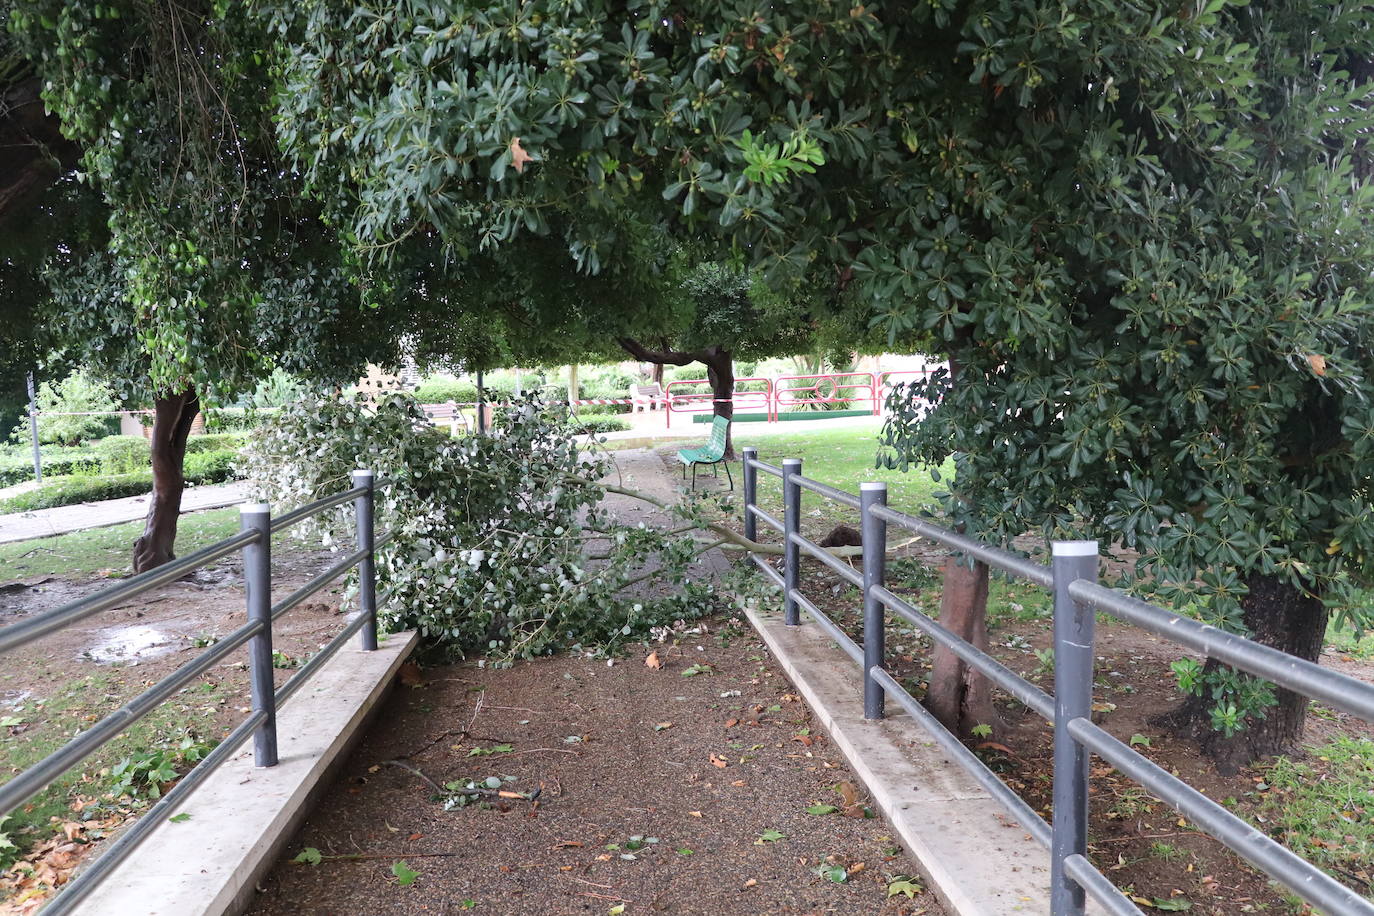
[1138, 231]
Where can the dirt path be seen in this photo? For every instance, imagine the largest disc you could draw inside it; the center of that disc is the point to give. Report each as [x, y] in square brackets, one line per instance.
[675, 789]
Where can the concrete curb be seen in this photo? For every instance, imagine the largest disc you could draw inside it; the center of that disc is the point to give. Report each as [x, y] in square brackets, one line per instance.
[242, 816]
[974, 856]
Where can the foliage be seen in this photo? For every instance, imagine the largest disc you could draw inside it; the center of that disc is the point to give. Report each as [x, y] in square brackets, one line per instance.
[200, 468]
[598, 423]
[493, 535]
[1151, 271]
[78, 393]
[146, 773]
[16, 464]
[441, 390]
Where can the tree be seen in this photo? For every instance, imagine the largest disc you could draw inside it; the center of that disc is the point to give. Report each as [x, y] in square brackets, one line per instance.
[1136, 230]
[184, 265]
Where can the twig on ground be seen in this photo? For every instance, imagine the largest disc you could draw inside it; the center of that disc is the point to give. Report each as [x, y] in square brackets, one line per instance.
[603, 896]
[551, 750]
[417, 771]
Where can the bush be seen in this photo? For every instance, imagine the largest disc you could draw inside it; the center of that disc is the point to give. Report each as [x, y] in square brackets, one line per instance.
[598, 423]
[57, 461]
[487, 553]
[200, 468]
[683, 373]
[77, 393]
[68, 491]
[125, 454]
[441, 389]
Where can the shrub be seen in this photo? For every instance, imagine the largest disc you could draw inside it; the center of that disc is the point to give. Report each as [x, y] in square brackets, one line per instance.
[57, 461]
[487, 553]
[77, 393]
[441, 389]
[68, 491]
[122, 454]
[598, 423]
[200, 468]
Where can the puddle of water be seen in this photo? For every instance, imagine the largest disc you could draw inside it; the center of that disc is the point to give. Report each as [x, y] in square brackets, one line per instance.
[132, 643]
[13, 699]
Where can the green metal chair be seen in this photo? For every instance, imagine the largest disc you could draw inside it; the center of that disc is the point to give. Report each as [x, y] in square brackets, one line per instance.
[712, 453]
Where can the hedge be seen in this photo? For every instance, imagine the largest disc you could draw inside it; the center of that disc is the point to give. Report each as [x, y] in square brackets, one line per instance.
[200, 468]
[598, 423]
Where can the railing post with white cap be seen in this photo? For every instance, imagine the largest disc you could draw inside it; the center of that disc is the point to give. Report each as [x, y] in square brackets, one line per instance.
[257, 581]
[1073, 697]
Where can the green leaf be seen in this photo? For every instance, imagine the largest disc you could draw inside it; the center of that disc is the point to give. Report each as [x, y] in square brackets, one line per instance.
[405, 875]
[837, 873]
[1175, 904]
[822, 809]
[179, 818]
[308, 856]
[904, 886]
[11, 721]
[769, 836]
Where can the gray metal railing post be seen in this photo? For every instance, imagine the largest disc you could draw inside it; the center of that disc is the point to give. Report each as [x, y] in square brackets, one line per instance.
[1073, 697]
[257, 580]
[33, 433]
[874, 531]
[751, 492]
[367, 566]
[791, 554]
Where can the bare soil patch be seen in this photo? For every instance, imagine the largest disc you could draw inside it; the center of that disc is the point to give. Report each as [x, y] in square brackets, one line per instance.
[72, 678]
[702, 759]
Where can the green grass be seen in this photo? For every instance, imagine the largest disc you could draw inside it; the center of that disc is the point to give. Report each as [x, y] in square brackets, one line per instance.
[83, 553]
[844, 458]
[1320, 807]
[49, 722]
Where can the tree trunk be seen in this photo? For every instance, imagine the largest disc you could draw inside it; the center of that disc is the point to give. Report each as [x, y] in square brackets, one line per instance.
[657, 374]
[1285, 618]
[572, 383]
[720, 371]
[959, 696]
[172, 418]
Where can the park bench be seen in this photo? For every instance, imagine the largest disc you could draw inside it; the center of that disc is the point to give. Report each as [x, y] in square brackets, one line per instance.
[645, 397]
[712, 453]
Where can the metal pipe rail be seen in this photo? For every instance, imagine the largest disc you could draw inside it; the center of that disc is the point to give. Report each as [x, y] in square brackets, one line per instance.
[1297, 674]
[1077, 596]
[820, 553]
[254, 540]
[41, 624]
[770, 520]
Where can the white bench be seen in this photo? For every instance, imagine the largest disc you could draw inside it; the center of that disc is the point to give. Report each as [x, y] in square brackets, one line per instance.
[646, 397]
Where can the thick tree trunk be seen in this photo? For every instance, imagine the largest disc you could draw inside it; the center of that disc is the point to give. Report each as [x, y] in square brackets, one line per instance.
[658, 374]
[172, 418]
[720, 371]
[959, 696]
[573, 390]
[1285, 618]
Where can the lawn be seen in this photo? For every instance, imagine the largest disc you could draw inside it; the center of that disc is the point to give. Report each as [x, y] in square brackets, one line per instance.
[106, 550]
[844, 458]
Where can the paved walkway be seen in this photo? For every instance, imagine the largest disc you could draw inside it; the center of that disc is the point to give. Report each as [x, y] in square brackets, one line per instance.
[21, 526]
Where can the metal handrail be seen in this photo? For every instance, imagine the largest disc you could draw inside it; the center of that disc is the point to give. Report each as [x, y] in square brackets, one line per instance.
[255, 542]
[1071, 577]
[45, 622]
